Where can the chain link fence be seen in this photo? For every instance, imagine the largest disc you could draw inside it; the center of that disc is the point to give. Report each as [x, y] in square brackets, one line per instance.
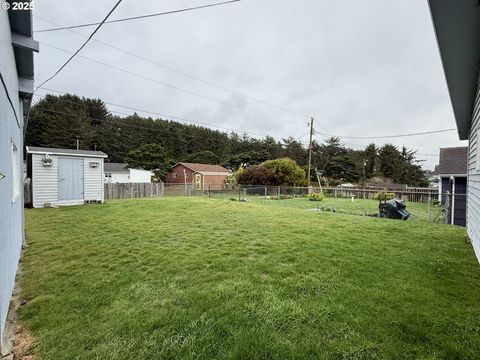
[422, 204]
[425, 205]
[210, 191]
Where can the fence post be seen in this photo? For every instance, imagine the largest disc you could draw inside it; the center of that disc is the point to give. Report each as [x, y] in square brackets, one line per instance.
[335, 201]
[239, 194]
[209, 191]
[266, 192]
[447, 207]
[278, 193]
[429, 206]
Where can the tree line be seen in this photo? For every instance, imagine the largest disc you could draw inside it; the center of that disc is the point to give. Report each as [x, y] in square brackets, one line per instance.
[152, 143]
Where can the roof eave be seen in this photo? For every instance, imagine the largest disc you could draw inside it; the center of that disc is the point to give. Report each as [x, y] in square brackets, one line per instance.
[457, 28]
[59, 152]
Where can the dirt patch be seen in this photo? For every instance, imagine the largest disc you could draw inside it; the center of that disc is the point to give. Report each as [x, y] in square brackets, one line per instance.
[23, 344]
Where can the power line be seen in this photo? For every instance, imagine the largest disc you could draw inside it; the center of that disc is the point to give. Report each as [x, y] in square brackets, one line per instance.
[158, 114]
[139, 17]
[169, 68]
[83, 45]
[364, 146]
[114, 123]
[173, 86]
[9, 99]
[434, 155]
[388, 136]
[161, 115]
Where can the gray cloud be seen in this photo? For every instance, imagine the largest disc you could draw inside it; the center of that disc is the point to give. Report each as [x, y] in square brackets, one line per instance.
[361, 68]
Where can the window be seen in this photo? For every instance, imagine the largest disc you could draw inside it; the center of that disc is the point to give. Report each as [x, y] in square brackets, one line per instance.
[15, 173]
[174, 175]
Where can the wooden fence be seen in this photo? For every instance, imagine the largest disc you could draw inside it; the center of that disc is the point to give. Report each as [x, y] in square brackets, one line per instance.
[27, 193]
[132, 190]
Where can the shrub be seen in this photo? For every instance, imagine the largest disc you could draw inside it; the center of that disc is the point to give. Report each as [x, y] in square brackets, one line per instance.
[258, 175]
[287, 171]
[315, 197]
[384, 195]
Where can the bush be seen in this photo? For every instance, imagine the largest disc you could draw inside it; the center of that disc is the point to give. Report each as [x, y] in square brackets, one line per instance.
[315, 197]
[258, 175]
[287, 171]
[384, 196]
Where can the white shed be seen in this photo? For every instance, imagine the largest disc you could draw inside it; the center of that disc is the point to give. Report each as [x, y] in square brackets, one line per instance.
[65, 176]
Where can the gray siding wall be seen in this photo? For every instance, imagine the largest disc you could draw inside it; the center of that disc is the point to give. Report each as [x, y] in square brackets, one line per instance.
[473, 188]
[11, 210]
[45, 181]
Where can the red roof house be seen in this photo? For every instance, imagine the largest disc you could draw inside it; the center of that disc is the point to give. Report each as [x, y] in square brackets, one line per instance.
[199, 176]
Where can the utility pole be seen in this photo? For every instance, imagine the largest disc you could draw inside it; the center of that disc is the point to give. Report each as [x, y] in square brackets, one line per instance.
[78, 144]
[310, 152]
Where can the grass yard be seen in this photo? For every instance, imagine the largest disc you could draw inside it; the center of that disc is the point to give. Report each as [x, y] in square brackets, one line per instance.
[192, 278]
[418, 210]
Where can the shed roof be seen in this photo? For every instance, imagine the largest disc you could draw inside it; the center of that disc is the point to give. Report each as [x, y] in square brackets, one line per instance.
[58, 151]
[204, 167]
[453, 161]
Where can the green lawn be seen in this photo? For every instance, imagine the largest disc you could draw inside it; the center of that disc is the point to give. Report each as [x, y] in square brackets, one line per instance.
[418, 210]
[192, 278]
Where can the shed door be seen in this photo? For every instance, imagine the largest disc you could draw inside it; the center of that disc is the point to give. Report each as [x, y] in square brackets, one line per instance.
[70, 178]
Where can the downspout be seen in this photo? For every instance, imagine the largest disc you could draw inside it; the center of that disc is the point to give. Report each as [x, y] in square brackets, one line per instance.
[452, 180]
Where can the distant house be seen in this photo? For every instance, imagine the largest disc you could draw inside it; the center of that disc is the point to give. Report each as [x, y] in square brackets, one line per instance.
[16, 86]
[457, 26]
[199, 176]
[65, 176]
[120, 173]
[452, 172]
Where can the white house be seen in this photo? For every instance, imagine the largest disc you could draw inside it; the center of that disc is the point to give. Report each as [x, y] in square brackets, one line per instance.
[65, 176]
[457, 26]
[120, 173]
[16, 75]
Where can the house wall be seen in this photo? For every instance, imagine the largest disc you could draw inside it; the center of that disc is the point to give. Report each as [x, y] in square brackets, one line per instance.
[473, 180]
[214, 182]
[116, 177]
[45, 181]
[129, 176]
[179, 179]
[11, 209]
[460, 201]
[459, 198]
[140, 176]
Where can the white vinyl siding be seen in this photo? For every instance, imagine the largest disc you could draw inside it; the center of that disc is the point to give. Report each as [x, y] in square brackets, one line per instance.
[44, 181]
[93, 186]
[473, 187]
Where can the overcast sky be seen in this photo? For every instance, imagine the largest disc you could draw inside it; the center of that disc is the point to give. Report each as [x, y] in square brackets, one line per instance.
[360, 68]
